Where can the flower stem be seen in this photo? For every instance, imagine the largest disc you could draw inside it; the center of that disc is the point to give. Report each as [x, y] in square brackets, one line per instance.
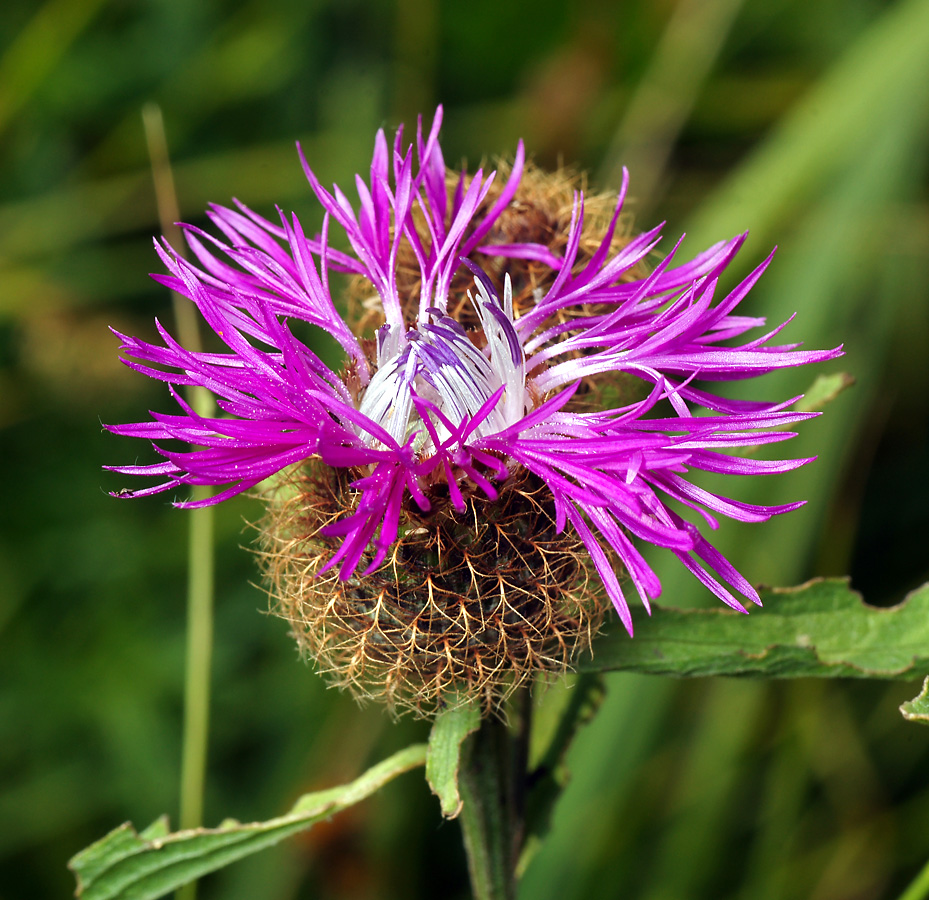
[199, 653]
[197, 679]
[200, 562]
[492, 785]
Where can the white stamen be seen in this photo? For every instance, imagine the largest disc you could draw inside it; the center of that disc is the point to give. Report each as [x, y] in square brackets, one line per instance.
[442, 365]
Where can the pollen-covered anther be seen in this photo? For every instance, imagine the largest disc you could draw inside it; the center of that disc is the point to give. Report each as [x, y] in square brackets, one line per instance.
[475, 602]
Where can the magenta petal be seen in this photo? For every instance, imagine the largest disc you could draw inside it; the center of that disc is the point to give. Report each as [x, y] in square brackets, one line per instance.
[469, 401]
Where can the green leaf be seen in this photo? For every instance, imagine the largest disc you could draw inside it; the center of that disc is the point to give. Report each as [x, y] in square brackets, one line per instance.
[819, 629]
[443, 757]
[917, 709]
[823, 391]
[131, 866]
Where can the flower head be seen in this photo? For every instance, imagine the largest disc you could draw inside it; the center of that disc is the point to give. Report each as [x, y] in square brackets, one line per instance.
[523, 414]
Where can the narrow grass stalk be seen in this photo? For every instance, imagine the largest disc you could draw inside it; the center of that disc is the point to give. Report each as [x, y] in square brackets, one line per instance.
[200, 560]
[661, 104]
[919, 886]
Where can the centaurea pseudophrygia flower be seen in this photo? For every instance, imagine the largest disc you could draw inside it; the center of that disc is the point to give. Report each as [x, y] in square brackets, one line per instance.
[521, 416]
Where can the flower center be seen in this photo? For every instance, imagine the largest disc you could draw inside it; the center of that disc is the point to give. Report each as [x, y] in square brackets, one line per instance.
[440, 363]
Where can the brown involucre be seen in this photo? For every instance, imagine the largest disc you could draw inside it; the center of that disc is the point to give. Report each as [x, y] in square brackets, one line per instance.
[469, 604]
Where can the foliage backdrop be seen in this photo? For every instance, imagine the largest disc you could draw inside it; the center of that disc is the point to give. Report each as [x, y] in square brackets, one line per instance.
[805, 122]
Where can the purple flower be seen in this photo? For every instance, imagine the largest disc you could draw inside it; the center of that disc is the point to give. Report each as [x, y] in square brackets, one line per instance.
[466, 385]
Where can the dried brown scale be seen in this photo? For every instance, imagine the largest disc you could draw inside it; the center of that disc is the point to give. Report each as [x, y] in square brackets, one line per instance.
[479, 601]
[540, 212]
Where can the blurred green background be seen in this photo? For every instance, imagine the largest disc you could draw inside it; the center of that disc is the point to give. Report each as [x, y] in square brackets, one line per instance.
[805, 121]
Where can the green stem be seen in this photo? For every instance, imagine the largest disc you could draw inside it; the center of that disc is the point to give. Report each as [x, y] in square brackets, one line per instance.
[919, 887]
[200, 585]
[197, 680]
[199, 653]
[492, 784]
[200, 563]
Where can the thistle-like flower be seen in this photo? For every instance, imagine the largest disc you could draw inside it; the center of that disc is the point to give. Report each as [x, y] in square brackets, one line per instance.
[520, 403]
